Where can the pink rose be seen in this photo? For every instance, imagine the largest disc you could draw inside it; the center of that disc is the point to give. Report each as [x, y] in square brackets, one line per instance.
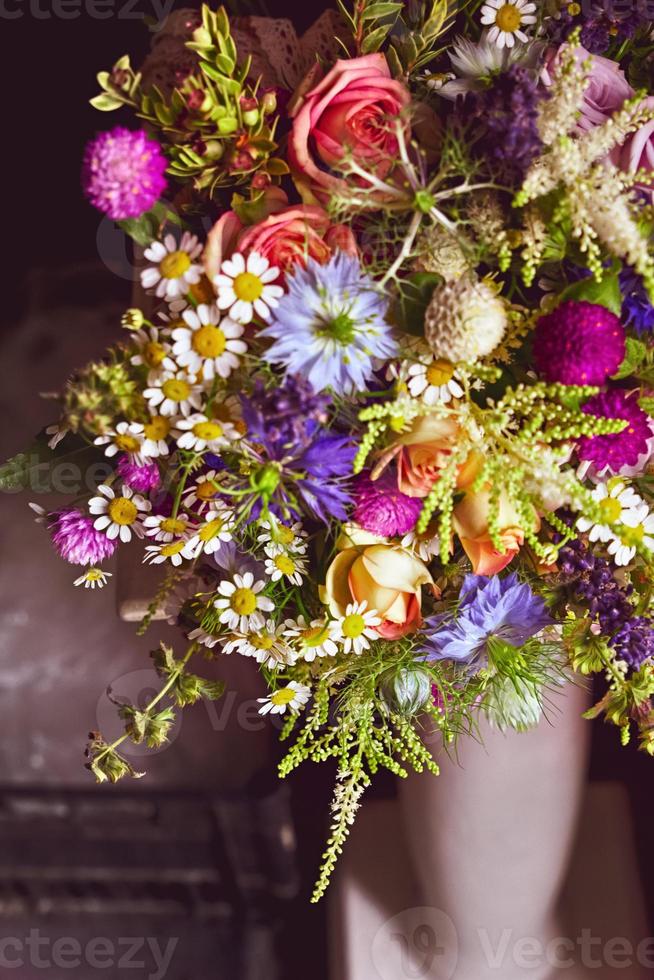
[606, 91]
[349, 111]
[288, 235]
[637, 151]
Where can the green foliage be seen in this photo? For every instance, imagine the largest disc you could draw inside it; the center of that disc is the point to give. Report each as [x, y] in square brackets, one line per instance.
[216, 129]
[149, 226]
[604, 293]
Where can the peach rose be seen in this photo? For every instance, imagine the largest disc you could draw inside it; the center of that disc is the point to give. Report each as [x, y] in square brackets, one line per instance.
[286, 235]
[470, 521]
[420, 454]
[347, 112]
[637, 151]
[388, 577]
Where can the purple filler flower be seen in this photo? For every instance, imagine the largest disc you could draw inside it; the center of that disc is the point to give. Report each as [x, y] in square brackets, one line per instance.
[579, 344]
[381, 508]
[141, 477]
[500, 608]
[76, 540]
[622, 451]
[123, 173]
[637, 309]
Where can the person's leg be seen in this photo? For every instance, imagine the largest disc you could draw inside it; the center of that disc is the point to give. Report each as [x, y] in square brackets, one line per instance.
[490, 837]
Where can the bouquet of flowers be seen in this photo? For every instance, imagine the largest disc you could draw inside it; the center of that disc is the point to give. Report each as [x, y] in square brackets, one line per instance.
[385, 414]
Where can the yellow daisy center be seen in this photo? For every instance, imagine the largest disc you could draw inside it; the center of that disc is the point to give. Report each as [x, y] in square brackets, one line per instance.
[173, 525]
[94, 575]
[632, 536]
[285, 535]
[439, 373]
[157, 428]
[210, 529]
[122, 511]
[205, 490]
[508, 18]
[209, 341]
[173, 548]
[208, 431]
[264, 642]
[247, 287]
[244, 602]
[315, 636]
[283, 697]
[175, 265]
[353, 626]
[176, 390]
[285, 564]
[610, 509]
[153, 353]
[128, 444]
[574, 9]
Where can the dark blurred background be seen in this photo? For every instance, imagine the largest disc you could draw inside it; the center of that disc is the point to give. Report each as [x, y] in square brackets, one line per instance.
[207, 848]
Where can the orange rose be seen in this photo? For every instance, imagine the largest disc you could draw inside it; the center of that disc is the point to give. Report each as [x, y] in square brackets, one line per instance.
[421, 453]
[470, 521]
[388, 577]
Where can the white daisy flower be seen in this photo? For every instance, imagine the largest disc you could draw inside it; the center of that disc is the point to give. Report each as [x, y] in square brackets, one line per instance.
[202, 491]
[433, 381]
[206, 344]
[355, 629]
[163, 528]
[311, 640]
[155, 433]
[175, 268]
[218, 526]
[92, 578]
[152, 351]
[293, 696]
[172, 393]
[245, 286]
[119, 515]
[615, 502]
[268, 646]
[41, 512]
[198, 432]
[242, 603]
[507, 17]
[425, 546]
[127, 437]
[172, 551]
[199, 635]
[637, 530]
[282, 537]
[280, 564]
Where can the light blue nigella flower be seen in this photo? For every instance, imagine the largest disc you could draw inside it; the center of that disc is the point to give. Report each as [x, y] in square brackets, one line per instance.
[501, 608]
[330, 325]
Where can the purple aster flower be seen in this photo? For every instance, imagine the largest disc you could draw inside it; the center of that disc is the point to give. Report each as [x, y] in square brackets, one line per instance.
[508, 112]
[383, 509]
[623, 452]
[578, 344]
[141, 477]
[284, 417]
[76, 540]
[637, 309]
[330, 325]
[123, 173]
[489, 608]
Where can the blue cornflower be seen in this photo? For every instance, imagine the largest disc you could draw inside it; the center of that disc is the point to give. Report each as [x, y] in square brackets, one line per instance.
[637, 309]
[489, 608]
[330, 325]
